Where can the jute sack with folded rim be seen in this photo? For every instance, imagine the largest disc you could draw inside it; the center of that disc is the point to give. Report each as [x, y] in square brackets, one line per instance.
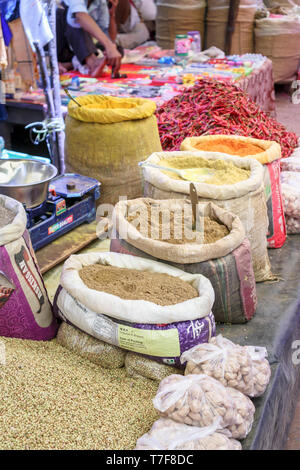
[279, 39]
[178, 17]
[216, 25]
[270, 158]
[161, 333]
[246, 199]
[226, 262]
[106, 137]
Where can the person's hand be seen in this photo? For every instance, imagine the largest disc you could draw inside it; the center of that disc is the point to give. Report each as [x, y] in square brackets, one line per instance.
[113, 57]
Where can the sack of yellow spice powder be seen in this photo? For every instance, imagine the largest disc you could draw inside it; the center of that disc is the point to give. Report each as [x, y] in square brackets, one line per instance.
[226, 261]
[268, 153]
[245, 198]
[106, 137]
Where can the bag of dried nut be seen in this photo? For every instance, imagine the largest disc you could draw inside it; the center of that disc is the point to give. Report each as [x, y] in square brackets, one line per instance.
[244, 416]
[166, 434]
[197, 400]
[244, 368]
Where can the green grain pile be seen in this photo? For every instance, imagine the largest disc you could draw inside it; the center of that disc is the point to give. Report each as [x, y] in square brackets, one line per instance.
[52, 398]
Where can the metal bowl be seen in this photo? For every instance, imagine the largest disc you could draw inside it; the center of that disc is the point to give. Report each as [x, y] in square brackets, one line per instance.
[27, 181]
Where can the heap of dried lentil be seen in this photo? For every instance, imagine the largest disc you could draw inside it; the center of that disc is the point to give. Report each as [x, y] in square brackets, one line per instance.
[53, 399]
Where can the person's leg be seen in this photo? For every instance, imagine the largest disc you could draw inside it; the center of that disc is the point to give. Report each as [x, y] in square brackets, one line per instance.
[136, 37]
[64, 53]
[81, 43]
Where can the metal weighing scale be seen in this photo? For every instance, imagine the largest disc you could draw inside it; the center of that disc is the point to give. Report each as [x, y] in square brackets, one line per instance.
[71, 202]
[54, 204]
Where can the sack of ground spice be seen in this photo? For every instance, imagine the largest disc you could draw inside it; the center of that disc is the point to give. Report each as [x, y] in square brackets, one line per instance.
[236, 185]
[197, 400]
[162, 230]
[267, 153]
[137, 304]
[25, 311]
[244, 368]
[167, 434]
[96, 351]
[138, 366]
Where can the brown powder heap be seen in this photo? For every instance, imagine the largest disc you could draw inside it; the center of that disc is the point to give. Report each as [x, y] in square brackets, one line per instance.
[131, 284]
[179, 230]
[6, 216]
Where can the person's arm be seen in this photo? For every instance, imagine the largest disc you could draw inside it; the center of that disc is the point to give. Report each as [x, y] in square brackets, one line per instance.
[90, 26]
[112, 20]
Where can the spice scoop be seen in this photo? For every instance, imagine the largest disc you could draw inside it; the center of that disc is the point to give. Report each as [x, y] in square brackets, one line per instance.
[199, 175]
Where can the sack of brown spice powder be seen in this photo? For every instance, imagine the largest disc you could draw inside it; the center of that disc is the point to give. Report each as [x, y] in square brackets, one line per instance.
[162, 230]
[25, 310]
[244, 198]
[155, 329]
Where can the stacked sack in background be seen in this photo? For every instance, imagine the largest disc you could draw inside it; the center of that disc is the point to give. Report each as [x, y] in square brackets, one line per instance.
[277, 36]
[178, 17]
[209, 408]
[216, 25]
[103, 326]
[290, 181]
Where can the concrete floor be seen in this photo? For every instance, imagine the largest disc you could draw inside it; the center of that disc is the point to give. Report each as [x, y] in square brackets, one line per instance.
[289, 115]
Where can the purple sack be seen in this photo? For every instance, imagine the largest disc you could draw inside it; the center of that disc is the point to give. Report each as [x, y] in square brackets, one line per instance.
[25, 310]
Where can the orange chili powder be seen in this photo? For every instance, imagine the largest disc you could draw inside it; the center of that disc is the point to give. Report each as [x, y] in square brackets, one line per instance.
[231, 147]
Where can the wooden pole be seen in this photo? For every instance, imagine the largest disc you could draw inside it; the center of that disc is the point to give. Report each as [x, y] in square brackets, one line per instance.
[232, 15]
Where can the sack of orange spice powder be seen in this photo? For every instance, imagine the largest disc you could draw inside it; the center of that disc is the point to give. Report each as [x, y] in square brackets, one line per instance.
[266, 152]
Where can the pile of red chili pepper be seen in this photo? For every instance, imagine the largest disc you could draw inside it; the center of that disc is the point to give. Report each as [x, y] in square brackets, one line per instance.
[216, 107]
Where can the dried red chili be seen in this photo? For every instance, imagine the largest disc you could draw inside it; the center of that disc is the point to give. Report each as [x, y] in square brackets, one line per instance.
[216, 107]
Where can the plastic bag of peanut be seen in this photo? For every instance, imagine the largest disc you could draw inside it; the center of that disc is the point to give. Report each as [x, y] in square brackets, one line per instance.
[198, 400]
[167, 434]
[290, 183]
[244, 368]
[244, 416]
[138, 366]
[292, 224]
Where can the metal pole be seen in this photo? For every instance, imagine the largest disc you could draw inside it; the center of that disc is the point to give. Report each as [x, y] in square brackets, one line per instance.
[52, 50]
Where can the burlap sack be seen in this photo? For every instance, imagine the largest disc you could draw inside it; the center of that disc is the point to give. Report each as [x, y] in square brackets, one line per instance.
[106, 137]
[178, 17]
[270, 158]
[217, 19]
[246, 199]
[226, 262]
[161, 333]
[279, 39]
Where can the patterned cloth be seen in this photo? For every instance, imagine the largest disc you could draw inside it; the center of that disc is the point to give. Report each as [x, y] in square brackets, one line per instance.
[260, 87]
